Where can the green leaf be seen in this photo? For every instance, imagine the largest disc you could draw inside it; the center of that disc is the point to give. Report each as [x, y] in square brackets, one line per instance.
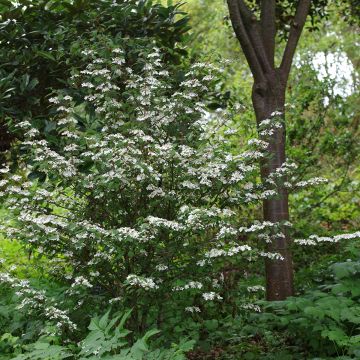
[314, 312]
[45, 55]
[94, 324]
[124, 318]
[351, 314]
[104, 320]
[139, 349]
[211, 325]
[335, 334]
[150, 333]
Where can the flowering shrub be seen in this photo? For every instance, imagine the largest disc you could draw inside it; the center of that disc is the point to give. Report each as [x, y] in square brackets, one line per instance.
[41, 44]
[144, 200]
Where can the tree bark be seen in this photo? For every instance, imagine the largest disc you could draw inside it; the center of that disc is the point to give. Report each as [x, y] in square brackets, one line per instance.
[257, 40]
[269, 96]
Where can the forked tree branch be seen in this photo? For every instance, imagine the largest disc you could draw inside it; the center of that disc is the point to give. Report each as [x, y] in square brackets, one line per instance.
[294, 36]
[244, 10]
[268, 28]
[254, 32]
[257, 38]
[248, 31]
[244, 40]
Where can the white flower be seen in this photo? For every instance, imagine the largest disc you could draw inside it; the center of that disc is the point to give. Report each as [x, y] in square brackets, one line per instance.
[114, 300]
[87, 85]
[54, 100]
[192, 309]
[189, 285]
[161, 267]
[255, 288]
[81, 281]
[209, 296]
[272, 256]
[253, 307]
[145, 283]
[311, 182]
[314, 239]
[172, 225]
[215, 253]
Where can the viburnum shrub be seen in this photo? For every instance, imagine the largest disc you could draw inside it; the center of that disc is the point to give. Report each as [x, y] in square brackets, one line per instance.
[145, 202]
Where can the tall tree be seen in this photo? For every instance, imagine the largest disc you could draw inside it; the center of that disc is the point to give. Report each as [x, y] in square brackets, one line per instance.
[256, 32]
[257, 25]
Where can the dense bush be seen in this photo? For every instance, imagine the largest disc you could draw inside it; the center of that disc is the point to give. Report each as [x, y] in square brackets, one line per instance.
[140, 195]
[42, 42]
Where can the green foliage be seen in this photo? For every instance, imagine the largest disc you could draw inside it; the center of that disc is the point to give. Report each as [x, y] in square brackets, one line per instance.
[42, 43]
[325, 320]
[44, 351]
[105, 336]
[323, 323]
[107, 339]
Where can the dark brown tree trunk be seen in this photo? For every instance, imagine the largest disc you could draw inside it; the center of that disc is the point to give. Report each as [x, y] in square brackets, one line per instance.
[268, 97]
[257, 41]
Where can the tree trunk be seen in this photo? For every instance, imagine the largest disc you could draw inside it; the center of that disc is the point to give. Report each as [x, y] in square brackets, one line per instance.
[268, 97]
[257, 41]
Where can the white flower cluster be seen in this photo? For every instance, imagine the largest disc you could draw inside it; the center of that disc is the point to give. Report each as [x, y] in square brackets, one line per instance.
[193, 309]
[252, 307]
[268, 126]
[311, 182]
[145, 283]
[33, 299]
[171, 225]
[81, 281]
[210, 296]
[255, 288]
[314, 239]
[189, 285]
[161, 267]
[213, 253]
[261, 226]
[271, 256]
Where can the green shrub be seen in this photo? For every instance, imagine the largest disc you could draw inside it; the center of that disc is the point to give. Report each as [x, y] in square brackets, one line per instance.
[42, 42]
[326, 320]
[107, 339]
